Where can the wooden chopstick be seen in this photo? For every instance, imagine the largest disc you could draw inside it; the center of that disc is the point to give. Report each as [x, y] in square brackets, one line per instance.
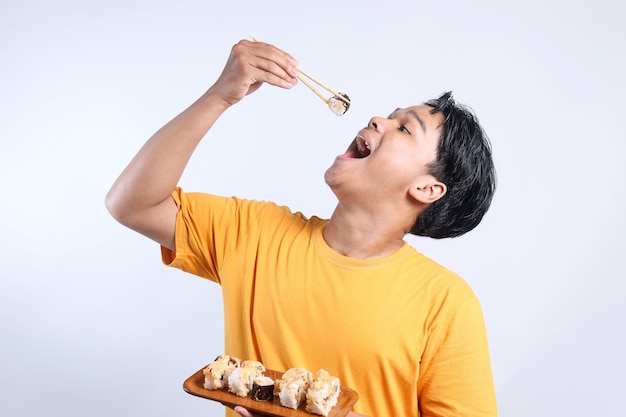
[339, 95]
[320, 95]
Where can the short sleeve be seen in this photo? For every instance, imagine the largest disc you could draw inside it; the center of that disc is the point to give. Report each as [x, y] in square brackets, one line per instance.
[208, 228]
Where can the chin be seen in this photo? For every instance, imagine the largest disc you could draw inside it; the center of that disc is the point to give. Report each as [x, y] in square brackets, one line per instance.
[329, 176]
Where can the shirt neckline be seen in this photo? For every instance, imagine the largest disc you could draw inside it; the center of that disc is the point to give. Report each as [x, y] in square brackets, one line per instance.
[328, 253]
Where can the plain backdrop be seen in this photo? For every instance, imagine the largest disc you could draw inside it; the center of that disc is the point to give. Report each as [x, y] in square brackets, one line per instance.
[91, 322]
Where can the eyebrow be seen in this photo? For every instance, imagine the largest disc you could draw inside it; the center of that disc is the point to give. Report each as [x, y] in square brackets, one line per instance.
[414, 115]
[418, 118]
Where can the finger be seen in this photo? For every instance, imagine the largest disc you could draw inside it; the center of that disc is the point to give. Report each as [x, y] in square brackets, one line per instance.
[272, 53]
[275, 62]
[256, 68]
[268, 72]
[243, 412]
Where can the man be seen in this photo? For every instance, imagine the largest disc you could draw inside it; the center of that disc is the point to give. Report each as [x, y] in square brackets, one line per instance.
[346, 294]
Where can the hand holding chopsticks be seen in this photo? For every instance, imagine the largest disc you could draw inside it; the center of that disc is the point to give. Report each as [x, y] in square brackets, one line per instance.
[339, 103]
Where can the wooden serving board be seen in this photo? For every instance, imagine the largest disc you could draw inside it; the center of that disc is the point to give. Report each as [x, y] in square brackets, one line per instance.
[194, 385]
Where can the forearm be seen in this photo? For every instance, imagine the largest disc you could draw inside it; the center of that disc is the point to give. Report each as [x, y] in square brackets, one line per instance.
[156, 169]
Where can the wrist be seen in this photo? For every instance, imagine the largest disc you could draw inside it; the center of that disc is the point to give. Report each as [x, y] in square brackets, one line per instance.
[213, 101]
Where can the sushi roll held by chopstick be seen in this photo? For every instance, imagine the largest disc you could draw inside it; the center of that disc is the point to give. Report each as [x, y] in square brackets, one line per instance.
[339, 104]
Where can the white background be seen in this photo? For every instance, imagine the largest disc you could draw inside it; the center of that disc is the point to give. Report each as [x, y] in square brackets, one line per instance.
[91, 323]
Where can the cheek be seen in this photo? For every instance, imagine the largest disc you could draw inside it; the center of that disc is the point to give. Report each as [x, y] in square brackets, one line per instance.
[399, 172]
[405, 163]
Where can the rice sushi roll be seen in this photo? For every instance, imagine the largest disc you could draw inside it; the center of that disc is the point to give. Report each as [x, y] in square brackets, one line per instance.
[323, 393]
[262, 388]
[216, 373]
[241, 379]
[292, 387]
[339, 106]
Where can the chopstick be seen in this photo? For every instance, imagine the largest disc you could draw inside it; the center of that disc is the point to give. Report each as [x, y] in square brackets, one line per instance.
[339, 95]
[325, 87]
[320, 95]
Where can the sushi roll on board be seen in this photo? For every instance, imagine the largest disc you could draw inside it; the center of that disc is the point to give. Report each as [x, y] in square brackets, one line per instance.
[241, 379]
[262, 389]
[323, 393]
[291, 388]
[216, 373]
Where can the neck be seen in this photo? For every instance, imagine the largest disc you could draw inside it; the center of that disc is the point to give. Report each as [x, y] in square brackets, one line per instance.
[362, 234]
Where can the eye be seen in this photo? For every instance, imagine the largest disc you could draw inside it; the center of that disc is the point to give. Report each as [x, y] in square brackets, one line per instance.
[403, 128]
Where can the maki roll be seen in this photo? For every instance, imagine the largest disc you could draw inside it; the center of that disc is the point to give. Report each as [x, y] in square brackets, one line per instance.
[292, 387]
[339, 106]
[262, 388]
[216, 373]
[323, 393]
[241, 378]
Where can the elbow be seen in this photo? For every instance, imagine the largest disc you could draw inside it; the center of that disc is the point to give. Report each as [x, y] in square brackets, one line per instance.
[116, 207]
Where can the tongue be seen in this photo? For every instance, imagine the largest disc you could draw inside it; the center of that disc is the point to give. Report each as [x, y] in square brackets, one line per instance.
[356, 150]
[353, 153]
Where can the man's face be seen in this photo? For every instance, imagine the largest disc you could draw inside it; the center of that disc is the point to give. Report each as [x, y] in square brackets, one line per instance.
[388, 157]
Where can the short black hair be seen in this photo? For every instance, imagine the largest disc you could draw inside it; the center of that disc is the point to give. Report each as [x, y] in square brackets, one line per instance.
[465, 165]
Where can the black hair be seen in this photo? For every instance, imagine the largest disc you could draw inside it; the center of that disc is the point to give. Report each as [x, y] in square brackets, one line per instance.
[464, 164]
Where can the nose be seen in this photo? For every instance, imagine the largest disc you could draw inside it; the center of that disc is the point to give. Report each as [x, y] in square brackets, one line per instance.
[376, 123]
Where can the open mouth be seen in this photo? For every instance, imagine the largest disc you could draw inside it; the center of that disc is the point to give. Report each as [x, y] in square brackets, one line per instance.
[359, 148]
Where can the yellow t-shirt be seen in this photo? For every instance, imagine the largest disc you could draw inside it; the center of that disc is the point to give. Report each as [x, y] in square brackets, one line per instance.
[404, 332]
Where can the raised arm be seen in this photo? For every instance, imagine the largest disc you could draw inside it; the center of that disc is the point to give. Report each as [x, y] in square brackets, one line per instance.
[141, 196]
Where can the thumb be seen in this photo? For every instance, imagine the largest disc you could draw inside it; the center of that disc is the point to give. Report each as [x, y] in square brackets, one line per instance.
[242, 411]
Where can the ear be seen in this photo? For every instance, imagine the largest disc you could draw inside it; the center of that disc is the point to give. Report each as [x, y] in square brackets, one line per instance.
[427, 189]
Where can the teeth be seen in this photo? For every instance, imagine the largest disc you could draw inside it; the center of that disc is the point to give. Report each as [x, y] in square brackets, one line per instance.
[362, 144]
